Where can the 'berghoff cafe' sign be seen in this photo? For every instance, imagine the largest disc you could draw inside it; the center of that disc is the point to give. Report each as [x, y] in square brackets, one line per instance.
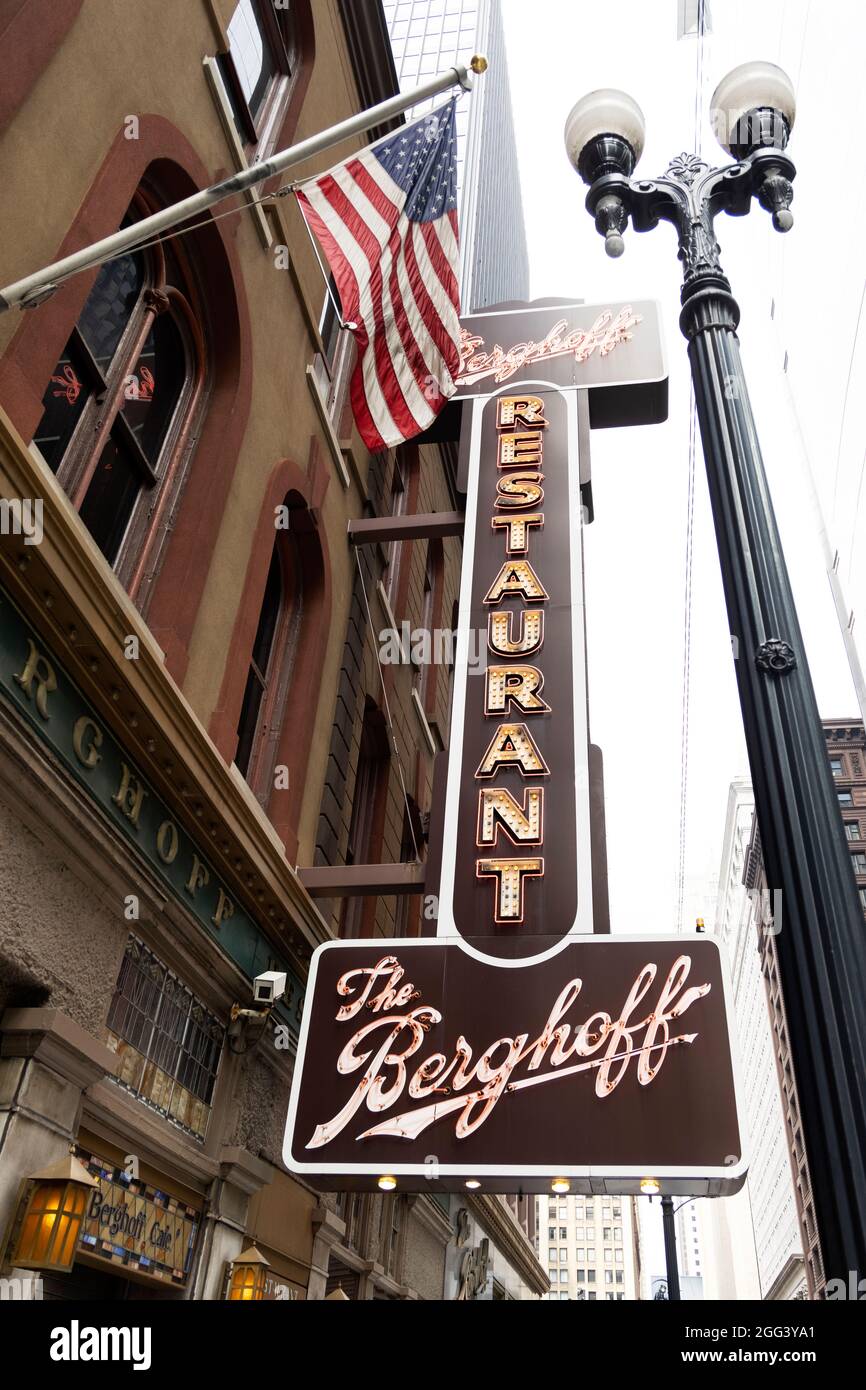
[136, 1227]
[605, 1062]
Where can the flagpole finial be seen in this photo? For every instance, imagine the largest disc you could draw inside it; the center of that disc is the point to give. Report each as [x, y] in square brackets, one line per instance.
[478, 63]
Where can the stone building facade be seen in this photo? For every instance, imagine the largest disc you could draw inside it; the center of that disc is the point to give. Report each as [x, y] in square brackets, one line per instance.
[191, 706]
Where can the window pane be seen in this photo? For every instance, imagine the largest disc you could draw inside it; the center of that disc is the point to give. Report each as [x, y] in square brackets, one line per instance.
[261, 656]
[252, 53]
[156, 385]
[156, 1020]
[110, 305]
[63, 402]
[110, 498]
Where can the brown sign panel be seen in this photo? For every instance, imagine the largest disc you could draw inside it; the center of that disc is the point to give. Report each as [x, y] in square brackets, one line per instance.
[605, 1062]
[614, 350]
[517, 846]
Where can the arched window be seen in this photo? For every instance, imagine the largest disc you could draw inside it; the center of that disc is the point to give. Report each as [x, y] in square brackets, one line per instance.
[119, 408]
[271, 667]
[260, 67]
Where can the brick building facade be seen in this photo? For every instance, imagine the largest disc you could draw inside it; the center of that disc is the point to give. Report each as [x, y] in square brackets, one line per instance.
[191, 708]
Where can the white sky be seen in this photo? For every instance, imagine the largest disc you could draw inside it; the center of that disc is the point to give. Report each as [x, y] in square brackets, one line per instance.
[557, 51]
[636, 546]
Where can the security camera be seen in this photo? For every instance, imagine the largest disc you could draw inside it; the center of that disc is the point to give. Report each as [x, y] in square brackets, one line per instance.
[269, 987]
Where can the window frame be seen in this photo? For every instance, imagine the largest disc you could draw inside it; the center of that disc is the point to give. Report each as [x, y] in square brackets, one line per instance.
[277, 676]
[259, 130]
[141, 964]
[140, 550]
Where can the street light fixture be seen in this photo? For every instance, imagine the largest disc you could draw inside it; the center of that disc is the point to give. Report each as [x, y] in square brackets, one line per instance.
[821, 941]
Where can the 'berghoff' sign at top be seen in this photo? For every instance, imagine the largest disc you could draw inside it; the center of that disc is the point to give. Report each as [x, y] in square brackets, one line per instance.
[614, 350]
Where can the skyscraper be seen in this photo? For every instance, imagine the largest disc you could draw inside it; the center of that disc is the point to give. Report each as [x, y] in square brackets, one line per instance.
[428, 36]
[589, 1246]
[743, 922]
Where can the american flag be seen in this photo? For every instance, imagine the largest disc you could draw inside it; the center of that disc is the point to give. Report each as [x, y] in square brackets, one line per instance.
[387, 222]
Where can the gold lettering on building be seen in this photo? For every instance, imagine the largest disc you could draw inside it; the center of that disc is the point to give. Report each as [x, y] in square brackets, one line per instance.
[38, 670]
[129, 795]
[225, 908]
[84, 747]
[199, 876]
[167, 842]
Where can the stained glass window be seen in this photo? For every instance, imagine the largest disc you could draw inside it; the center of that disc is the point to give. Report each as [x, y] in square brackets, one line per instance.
[168, 1043]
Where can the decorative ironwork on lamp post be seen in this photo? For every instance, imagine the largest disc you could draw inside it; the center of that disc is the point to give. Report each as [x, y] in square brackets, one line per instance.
[821, 941]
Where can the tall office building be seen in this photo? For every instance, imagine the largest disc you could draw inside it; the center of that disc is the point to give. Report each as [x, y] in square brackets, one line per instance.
[743, 922]
[690, 1256]
[589, 1245]
[846, 749]
[428, 36]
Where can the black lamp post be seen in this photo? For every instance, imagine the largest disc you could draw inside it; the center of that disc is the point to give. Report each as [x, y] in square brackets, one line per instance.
[821, 937]
[670, 1234]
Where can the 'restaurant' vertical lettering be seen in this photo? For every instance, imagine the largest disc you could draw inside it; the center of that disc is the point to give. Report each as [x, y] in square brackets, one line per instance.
[515, 688]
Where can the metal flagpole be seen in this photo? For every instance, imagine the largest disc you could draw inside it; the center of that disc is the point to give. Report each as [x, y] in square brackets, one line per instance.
[34, 289]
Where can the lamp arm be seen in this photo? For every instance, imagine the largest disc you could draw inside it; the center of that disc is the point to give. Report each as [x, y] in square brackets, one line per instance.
[690, 195]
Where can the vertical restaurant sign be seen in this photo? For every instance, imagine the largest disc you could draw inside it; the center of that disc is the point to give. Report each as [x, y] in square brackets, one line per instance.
[516, 879]
[516, 853]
